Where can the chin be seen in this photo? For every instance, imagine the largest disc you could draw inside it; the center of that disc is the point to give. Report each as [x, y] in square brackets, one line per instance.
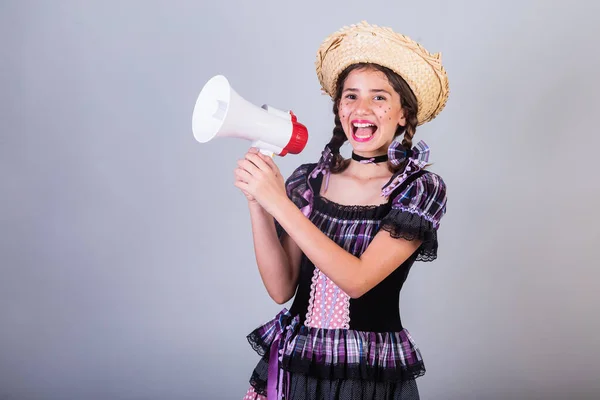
[370, 146]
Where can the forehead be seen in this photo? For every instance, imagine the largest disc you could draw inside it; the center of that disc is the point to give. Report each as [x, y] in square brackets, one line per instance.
[367, 77]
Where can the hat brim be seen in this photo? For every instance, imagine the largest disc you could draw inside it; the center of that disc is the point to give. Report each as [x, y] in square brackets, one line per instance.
[364, 43]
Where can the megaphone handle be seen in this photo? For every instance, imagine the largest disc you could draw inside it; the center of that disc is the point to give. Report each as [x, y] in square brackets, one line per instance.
[267, 153]
[259, 145]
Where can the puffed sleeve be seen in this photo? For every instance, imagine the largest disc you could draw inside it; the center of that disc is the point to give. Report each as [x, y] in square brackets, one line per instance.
[298, 191]
[416, 213]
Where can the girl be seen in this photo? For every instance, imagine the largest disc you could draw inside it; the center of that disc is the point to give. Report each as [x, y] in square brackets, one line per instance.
[341, 235]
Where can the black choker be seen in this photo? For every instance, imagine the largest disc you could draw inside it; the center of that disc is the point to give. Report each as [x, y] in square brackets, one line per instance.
[368, 160]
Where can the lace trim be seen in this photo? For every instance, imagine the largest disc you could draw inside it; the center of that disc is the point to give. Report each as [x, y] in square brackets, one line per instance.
[258, 379]
[258, 344]
[325, 295]
[404, 224]
[346, 319]
[345, 211]
[311, 302]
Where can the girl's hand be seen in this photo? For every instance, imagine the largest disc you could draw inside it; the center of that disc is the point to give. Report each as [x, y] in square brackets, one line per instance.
[259, 178]
[238, 179]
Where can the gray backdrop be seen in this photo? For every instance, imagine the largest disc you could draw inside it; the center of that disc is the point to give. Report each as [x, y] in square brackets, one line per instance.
[127, 269]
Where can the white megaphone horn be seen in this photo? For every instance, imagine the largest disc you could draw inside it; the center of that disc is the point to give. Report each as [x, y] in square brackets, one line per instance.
[221, 112]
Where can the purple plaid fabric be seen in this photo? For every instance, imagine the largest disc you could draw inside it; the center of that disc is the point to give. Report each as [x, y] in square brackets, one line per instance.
[415, 212]
[417, 203]
[339, 353]
[425, 197]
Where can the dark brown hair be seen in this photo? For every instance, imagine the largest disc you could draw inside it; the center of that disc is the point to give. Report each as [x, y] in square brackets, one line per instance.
[409, 104]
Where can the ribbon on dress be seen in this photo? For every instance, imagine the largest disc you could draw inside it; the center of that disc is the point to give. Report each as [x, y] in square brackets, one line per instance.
[417, 158]
[278, 380]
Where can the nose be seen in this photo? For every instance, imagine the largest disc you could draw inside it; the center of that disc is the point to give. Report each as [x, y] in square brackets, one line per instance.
[363, 106]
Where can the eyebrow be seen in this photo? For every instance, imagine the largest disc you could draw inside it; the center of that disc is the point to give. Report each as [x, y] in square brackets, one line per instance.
[372, 90]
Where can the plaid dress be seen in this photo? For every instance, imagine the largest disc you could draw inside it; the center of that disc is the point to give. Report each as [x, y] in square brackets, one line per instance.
[327, 345]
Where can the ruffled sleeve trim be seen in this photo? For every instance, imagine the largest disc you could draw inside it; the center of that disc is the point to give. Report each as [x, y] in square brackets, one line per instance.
[413, 225]
[416, 213]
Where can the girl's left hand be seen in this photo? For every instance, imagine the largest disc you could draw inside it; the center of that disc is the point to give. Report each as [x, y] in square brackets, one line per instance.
[259, 176]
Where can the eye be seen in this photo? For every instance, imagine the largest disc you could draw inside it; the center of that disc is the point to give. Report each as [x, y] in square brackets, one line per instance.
[380, 98]
[350, 96]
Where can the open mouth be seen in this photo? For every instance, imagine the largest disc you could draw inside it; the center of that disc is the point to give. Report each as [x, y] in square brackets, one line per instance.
[363, 131]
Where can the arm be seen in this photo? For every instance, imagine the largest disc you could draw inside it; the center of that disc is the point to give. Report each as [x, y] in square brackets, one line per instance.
[278, 260]
[355, 276]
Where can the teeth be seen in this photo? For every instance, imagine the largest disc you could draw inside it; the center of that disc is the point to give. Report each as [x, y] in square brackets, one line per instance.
[358, 125]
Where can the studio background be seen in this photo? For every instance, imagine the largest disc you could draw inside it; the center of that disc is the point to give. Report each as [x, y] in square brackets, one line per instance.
[127, 269]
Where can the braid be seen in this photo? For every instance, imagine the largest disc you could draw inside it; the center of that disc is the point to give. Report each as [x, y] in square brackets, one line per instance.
[336, 142]
[409, 132]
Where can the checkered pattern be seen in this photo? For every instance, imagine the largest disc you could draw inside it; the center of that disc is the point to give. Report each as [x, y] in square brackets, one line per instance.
[414, 212]
[339, 353]
[425, 197]
[378, 364]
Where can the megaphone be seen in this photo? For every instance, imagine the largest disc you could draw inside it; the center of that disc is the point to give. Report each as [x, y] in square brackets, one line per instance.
[221, 112]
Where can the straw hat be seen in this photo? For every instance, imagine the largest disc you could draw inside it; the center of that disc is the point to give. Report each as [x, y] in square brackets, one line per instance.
[364, 43]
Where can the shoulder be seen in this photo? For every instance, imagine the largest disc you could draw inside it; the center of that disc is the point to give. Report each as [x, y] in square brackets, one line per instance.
[426, 195]
[297, 185]
[311, 170]
[302, 170]
[430, 184]
[300, 174]
[421, 183]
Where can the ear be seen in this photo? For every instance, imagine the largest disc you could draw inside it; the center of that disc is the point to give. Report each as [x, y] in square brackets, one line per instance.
[402, 118]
